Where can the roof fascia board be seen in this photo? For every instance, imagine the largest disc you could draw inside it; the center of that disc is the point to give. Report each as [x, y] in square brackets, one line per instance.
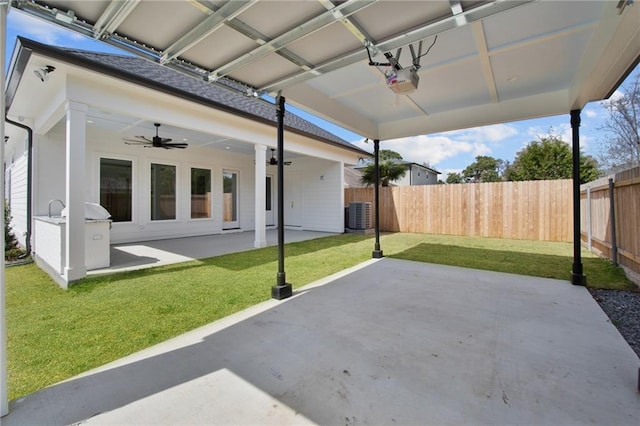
[63, 56]
[603, 67]
[538, 105]
[307, 98]
[17, 67]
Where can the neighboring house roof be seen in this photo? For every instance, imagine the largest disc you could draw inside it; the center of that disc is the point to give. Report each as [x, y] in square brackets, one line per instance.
[409, 163]
[225, 95]
[406, 163]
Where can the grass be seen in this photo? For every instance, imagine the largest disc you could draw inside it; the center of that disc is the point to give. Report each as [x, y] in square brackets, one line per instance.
[55, 334]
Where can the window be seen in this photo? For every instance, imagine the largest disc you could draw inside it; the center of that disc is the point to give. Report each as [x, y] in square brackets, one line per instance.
[163, 192]
[200, 193]
[116, 188]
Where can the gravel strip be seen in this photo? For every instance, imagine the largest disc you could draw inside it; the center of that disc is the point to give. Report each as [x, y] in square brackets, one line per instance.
[623, 309]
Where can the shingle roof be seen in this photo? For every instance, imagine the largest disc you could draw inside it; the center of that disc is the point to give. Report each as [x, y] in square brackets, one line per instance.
[223, 95]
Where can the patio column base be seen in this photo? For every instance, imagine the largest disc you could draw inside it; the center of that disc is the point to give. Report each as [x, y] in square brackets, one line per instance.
[280, 292]
[377, 254]
[578, 279]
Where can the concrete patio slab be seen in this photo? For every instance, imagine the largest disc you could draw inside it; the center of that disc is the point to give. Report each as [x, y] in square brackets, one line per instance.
[147, 254]
[388, 342]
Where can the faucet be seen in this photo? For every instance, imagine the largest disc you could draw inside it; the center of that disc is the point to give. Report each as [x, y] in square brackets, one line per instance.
[53, 201]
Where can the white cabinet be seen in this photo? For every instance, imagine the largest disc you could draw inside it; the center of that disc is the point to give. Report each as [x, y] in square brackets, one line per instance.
[50, 242]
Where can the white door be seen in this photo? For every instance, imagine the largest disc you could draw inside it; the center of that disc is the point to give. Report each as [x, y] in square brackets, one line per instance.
[230, 200]
[269, 202]
[293, 200]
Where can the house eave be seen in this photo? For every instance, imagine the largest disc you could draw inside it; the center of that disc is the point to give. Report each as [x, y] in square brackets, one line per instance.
[25, 48]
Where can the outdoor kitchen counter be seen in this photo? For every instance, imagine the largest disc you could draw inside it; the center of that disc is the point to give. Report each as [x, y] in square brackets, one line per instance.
[50, 242]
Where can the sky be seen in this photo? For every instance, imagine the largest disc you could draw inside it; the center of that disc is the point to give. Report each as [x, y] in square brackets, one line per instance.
[448, 152]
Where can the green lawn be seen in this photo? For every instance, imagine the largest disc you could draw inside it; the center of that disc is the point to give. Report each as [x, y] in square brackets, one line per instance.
[55, 334]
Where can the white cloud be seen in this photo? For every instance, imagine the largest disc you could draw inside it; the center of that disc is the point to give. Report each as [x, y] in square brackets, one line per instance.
[430, 149]
[590, 113]
[562, 131]
[433, 149]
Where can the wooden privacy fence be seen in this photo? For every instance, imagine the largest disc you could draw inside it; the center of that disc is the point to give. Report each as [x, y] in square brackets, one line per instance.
[615, 236]
[532, 210]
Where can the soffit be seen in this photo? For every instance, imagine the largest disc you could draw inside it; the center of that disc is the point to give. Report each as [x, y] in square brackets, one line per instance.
[493, 61]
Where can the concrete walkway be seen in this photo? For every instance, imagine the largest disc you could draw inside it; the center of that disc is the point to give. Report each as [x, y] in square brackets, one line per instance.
[147, 254]
[389, 342]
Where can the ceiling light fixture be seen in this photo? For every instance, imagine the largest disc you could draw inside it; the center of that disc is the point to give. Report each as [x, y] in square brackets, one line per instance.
[401, 81]
[43, 73]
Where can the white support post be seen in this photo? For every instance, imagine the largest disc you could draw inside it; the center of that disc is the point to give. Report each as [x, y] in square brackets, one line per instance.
[4, 394]
[75, 268]
[261, 194]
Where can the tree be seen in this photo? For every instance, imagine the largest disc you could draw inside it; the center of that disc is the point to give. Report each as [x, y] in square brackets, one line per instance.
[550, 158]
[622, 149]
[11, 249]
[484, 169]
[454, 178]
[388, 154]
[389, 171]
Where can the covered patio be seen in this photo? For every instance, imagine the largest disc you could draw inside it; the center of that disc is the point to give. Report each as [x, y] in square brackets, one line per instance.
[403, 342]
[147, 254]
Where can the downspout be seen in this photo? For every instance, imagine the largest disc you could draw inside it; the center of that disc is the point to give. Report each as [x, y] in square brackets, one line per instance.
[29, 178]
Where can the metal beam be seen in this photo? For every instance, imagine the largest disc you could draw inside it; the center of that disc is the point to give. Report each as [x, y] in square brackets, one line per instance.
[229, 11]
[112, 17]
[399, 40]
[319, 22]
[485, 61]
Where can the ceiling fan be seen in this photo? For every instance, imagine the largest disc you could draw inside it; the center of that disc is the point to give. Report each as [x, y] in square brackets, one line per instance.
[155, 142]
[273, 161]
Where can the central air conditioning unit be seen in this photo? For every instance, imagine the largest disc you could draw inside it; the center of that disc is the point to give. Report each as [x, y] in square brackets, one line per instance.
[360, 215]
[403, 81]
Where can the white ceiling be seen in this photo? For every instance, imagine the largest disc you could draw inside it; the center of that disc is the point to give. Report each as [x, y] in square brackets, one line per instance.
[492, 61]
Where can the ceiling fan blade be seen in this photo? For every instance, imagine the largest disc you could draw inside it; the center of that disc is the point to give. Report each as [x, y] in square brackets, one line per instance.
[175, 145]
[137, 143]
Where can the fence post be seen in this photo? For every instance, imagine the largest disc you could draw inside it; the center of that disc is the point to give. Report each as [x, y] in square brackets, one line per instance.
[589, 218]
[612, 220]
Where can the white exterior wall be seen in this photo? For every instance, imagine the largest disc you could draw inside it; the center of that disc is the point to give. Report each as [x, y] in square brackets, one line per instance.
[16, 177]
[322, 196]
[48, 171]
[101, 144]
[322, 200]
